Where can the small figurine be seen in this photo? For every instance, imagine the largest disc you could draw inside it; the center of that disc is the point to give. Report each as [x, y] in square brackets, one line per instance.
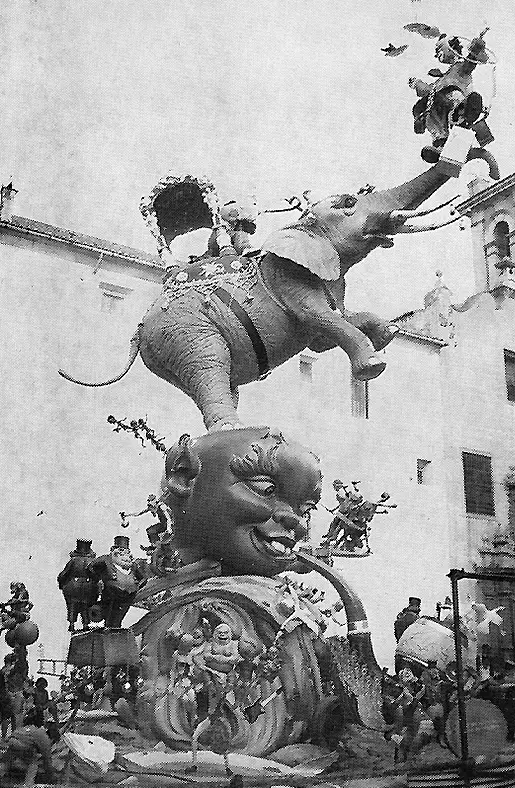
[451, 100]
[121, 577]
[79, 589]
[19, 607]
[407, 616]
[393, 51]
[165, 556]
[232, 235]
[349, 530]
[218, 660]
[159, 509]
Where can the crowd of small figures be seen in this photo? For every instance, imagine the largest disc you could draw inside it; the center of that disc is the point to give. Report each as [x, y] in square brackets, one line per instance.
[349, 530]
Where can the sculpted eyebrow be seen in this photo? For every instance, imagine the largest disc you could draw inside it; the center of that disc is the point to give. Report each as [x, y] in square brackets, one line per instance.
[258, 462]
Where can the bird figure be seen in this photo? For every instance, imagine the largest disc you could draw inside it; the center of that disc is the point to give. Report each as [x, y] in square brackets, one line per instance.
[485, 617]
[393, 51]
[40, 513]
[426, 31]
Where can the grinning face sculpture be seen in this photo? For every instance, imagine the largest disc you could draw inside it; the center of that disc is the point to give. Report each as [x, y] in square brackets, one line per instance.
[241, 497]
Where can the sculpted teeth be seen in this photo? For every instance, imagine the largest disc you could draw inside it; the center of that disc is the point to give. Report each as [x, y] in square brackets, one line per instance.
[280, 547]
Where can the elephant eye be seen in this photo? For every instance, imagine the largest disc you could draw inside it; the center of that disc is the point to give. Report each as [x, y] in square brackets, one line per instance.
[262, 485]
[347, 202]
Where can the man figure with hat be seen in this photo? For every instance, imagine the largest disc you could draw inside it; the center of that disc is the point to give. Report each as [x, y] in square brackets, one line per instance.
[407, 616]
[121, 578]
[79, 589]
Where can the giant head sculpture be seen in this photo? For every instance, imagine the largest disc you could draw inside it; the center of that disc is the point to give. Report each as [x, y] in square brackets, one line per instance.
[241, 497]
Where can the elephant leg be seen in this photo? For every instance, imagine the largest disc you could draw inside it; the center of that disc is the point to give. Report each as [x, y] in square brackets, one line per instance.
[209, 384]
[303, 295]
[360, 350]
[379, 331]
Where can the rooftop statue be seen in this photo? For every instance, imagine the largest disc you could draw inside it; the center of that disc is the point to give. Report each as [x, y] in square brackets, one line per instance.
[225, 321]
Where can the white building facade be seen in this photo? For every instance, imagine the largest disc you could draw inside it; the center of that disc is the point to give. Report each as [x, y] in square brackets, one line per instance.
[435, 430]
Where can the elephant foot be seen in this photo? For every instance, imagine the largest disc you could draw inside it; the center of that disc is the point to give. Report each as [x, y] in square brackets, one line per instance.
[430, 154]
[386, 336]
[369, 370]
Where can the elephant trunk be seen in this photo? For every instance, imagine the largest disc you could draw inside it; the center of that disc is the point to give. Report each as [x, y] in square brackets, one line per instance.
[358, 631]
[409, 195]
[401, 202]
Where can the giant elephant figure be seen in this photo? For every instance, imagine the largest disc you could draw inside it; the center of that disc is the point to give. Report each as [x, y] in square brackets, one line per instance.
[219, 323]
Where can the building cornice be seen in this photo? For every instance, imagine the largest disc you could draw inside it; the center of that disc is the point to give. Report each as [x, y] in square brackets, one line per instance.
[31, 227]
[491, 192]
[422, 338]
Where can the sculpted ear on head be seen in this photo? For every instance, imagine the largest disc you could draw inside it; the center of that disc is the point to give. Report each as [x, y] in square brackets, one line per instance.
[182, 466]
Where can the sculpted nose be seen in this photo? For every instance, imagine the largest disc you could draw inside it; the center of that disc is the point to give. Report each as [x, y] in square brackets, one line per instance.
[290, 522]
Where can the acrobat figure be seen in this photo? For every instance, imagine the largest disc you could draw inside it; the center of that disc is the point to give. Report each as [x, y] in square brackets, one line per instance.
[451, 100]
[350, 528]
[155, 532]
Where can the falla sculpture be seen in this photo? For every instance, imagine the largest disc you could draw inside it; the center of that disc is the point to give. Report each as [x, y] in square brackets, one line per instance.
[235, 656]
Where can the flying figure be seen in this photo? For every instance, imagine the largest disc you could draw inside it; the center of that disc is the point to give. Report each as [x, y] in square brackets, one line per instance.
[393, 51]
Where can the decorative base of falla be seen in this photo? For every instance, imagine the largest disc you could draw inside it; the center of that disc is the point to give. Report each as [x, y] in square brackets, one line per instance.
[211, 768]
[274, 631]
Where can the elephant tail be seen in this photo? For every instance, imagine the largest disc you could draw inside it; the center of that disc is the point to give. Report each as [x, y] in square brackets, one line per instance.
[133, 352]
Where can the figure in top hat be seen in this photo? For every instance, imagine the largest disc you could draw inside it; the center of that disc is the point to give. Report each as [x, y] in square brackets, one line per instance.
[407, 616]
[79, 589]
[121, 577]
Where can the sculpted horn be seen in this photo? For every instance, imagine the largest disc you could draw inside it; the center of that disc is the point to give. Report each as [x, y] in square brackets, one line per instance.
[358, 631]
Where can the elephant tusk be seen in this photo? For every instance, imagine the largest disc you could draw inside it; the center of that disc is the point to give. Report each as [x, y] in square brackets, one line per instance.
[402, 215]
[408, 228]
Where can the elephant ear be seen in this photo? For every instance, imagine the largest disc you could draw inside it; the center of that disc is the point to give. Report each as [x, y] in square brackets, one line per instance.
[306, 248]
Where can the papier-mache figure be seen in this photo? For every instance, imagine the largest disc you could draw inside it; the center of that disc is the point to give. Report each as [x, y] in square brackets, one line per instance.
[17, 609]
[157, 508]
[79, 589]
[451, 100]
[237, 222]
[218, 660]
[350, 527]
[121, 577]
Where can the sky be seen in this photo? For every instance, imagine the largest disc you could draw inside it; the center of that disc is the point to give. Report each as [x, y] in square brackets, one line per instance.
[101, 99]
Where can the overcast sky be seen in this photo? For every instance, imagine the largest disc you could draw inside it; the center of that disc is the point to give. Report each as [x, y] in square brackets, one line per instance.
[103, 97]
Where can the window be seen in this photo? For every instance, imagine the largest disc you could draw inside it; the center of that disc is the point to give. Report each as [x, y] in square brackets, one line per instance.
[359, 398]
[477, 477]
[306, 369]
[423, 471]
[110, 301]
[112, 296]
[509, 371]
[502, 239]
